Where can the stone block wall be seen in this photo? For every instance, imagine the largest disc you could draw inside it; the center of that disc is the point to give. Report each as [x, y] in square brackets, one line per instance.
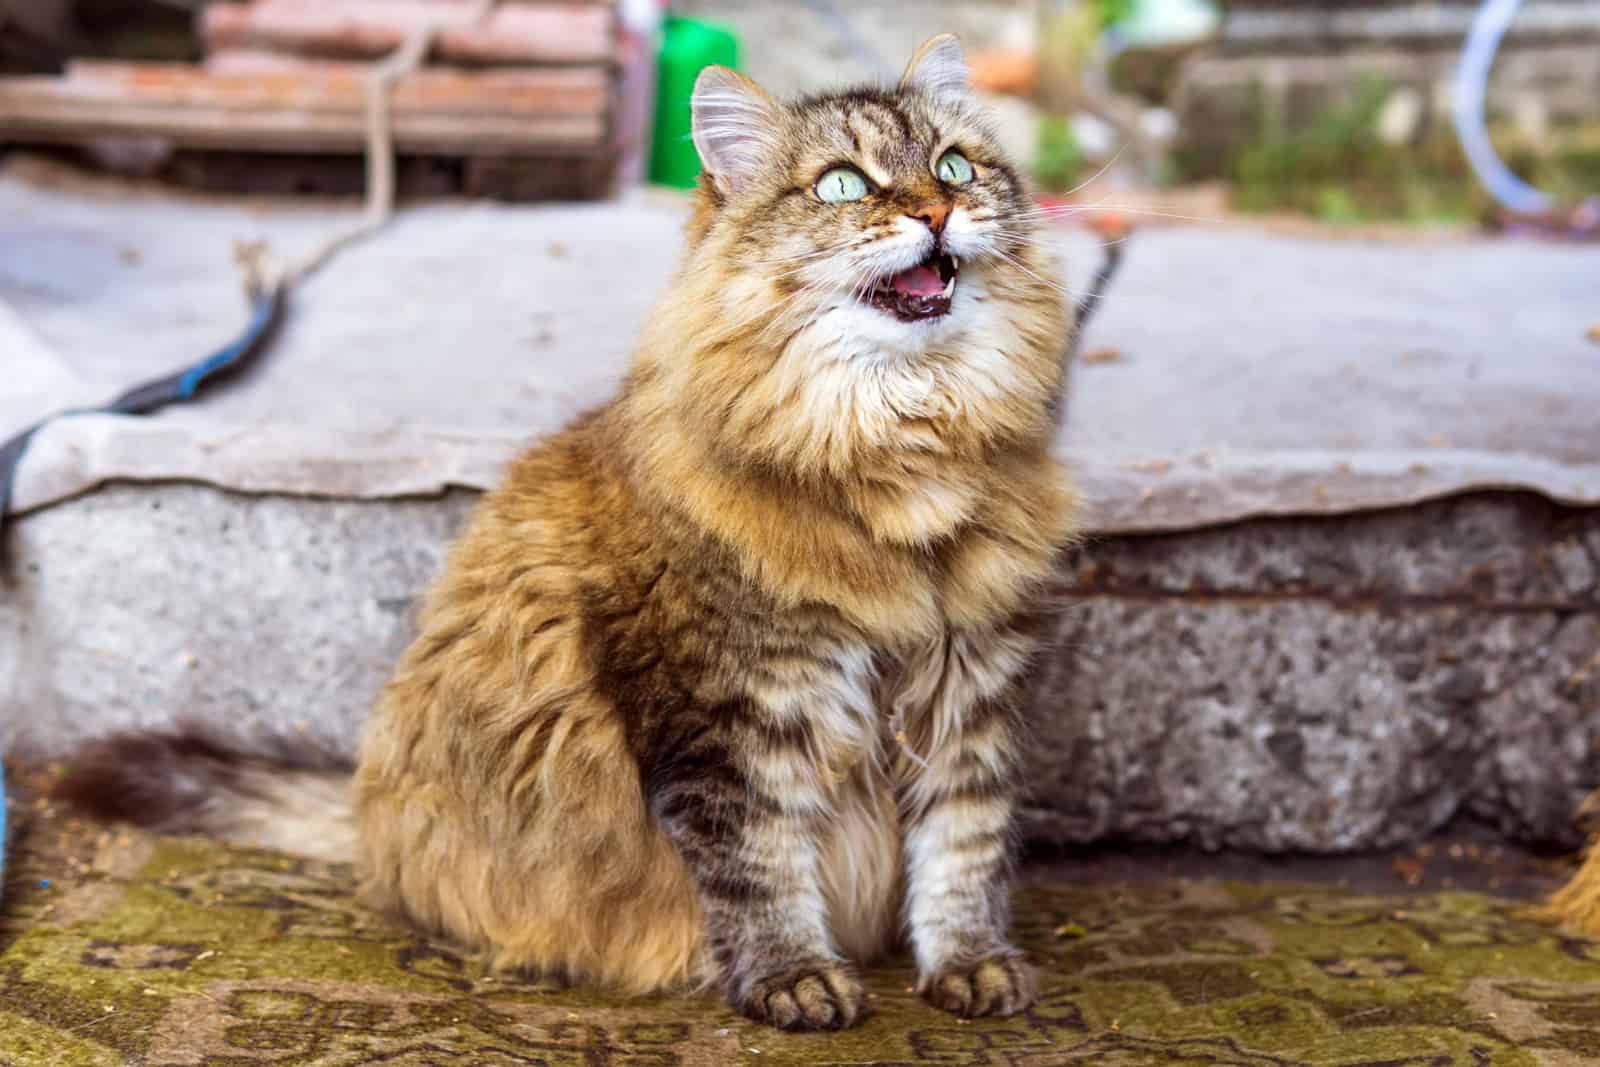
[1326, 683]
[1321, 684]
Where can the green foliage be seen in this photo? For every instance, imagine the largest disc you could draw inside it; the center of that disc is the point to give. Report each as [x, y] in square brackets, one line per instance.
[1112, 12]
[1060, 161]
[1336, 167]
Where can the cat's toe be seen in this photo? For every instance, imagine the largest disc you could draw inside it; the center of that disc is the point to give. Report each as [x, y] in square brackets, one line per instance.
[817, 996]
[1000, 984]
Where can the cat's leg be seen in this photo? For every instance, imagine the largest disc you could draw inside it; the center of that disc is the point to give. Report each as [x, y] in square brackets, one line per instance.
[740, 800]
[957, 798]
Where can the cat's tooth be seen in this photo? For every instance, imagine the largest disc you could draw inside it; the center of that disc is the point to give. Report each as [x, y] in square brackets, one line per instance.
[950, 287]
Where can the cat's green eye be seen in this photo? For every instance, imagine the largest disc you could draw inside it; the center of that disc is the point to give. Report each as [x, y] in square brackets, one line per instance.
[953, 168]
[840, 186]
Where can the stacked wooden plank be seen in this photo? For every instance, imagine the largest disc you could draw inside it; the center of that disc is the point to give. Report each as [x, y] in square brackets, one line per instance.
[515, 32]
[533, 81]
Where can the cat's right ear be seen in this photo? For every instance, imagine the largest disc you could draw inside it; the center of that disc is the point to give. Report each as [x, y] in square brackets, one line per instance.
[735, 127]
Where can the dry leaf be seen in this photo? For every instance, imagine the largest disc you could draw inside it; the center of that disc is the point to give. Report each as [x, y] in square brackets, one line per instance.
[1409, 870]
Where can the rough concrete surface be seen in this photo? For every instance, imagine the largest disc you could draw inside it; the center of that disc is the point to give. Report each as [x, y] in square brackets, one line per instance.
[253, 613]
[1318, 684]
[1326, 683]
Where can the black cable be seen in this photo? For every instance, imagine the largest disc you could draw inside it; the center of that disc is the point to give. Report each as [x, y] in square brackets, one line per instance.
[1097, 293]
[266, 312]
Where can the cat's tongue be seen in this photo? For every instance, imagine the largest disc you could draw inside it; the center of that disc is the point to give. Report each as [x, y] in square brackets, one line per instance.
[918, 281]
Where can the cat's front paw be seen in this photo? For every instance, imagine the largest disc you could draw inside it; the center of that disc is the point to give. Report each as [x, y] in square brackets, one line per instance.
[999, 984]
[822, 995]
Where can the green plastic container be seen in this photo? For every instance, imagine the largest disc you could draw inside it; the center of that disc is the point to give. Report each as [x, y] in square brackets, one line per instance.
[688, 46]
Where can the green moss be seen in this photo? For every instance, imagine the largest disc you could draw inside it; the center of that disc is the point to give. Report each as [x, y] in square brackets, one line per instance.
[210, 954]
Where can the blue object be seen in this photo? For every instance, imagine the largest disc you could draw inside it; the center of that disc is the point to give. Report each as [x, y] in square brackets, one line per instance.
[265, 313]
[1472, 79]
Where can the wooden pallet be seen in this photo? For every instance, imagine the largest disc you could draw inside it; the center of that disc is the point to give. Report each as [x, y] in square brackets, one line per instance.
[285, 84]
[436, 112]
[514, 33]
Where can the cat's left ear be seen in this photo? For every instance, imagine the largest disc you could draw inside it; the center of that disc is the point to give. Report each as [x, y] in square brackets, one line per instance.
[939, 68]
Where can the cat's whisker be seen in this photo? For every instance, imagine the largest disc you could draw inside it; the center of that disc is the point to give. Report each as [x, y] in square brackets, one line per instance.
[772, 313]
[817, 252]
[1022, 238]
[1097, 175]
[839, 260]
[822, 286]
[859, 288]
[1064, 290]
[1056, 213]
[848, 280]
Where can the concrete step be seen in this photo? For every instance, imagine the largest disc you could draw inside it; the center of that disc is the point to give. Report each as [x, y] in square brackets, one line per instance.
[1342, 586]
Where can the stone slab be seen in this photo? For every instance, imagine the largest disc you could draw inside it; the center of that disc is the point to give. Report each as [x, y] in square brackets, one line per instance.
[1326, 683]
[1282, 684]
[1258, 374]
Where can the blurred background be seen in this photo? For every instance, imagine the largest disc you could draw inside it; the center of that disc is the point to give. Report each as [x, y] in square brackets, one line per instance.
[1338, 110]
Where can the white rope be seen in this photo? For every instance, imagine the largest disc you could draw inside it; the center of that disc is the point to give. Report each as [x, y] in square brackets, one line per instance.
[255, 259]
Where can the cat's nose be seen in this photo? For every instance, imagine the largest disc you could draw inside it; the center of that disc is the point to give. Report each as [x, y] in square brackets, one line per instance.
[932, 215]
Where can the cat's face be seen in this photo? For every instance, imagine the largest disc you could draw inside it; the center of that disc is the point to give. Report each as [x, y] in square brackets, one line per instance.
[878, 217]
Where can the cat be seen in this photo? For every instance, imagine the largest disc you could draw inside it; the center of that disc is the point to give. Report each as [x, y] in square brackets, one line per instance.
[720, 685]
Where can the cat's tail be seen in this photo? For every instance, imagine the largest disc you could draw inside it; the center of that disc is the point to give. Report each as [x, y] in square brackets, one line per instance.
[286, 794]
[1576, 906]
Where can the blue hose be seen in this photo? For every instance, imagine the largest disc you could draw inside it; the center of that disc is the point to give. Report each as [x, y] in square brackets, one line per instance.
[1472, 80]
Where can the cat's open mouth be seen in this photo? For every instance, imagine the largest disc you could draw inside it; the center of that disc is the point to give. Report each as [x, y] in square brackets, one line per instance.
[923, 292]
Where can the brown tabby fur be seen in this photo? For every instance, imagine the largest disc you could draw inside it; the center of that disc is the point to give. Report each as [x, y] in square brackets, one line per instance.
[718, 686]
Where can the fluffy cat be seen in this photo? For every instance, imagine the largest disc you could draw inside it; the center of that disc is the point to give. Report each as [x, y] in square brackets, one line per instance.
[719, 686]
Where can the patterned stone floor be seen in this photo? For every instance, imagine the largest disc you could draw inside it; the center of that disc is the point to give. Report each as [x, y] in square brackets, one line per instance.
[117, 947]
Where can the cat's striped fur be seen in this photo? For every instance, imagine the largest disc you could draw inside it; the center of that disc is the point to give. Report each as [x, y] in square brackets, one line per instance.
[720, 684]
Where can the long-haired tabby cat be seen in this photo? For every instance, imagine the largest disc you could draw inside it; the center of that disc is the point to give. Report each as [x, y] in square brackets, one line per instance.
[720, 684]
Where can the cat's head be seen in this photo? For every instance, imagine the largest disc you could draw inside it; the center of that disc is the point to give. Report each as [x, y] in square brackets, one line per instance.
[879, 216]
[863, 289]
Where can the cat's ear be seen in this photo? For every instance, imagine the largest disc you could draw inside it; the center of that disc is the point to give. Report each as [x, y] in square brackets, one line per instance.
[734, 124]
[939, 68]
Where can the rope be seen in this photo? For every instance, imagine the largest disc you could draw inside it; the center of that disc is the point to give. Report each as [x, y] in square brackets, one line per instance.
[255, 259]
